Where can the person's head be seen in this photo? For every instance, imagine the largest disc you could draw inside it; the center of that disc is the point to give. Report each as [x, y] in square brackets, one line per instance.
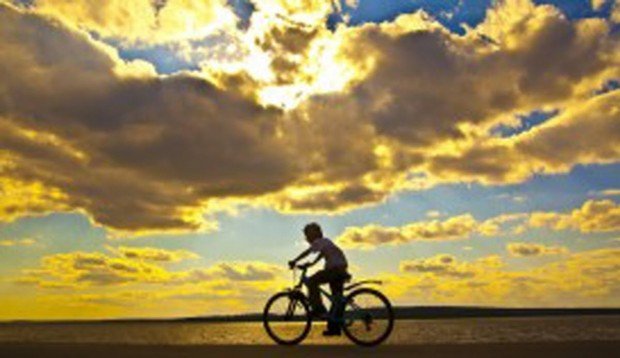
[313, 231]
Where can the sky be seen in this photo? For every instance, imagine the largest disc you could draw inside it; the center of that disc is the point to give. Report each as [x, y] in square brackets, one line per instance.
[160, 158]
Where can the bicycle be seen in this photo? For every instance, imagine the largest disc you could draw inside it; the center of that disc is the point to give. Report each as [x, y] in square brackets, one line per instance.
[367, 320]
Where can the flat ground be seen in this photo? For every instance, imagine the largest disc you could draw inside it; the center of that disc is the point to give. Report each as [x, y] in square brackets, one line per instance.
[478, 350]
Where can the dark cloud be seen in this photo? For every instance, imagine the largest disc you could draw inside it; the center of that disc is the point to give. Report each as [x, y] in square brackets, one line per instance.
[137, 151]
[153, 145]
[587, 133]
[428, 83]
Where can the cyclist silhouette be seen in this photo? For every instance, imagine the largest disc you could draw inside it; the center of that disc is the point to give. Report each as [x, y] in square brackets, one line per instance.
[334, 273]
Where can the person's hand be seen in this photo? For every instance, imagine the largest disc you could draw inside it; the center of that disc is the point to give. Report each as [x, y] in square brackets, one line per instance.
[291, 264]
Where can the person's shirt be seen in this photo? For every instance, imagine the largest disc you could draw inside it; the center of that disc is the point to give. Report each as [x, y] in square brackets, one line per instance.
[334, 257]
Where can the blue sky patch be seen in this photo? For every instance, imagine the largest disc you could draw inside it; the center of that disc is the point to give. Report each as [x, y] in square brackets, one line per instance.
[527, 122]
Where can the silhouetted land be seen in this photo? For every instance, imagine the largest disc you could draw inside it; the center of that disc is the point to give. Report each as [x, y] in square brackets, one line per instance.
[418, 312]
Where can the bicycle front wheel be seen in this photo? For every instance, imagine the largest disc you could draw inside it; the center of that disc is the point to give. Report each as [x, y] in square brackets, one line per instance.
[286, 318]
[368, 317]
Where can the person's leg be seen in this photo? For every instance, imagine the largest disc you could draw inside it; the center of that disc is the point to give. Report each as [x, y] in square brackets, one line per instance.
[336, 285]
[314, 295]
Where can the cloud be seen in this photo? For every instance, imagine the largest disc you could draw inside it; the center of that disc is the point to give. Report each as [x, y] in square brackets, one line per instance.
[448, 265]
[522, 249]
[154, 254]
[284, 56]
[593, 216]
[433, 214]
[23, 197]
[431, 100]
[597, 4]
[608, 192]
[17, 242]
[110, 302]
[615, 13]
[156, 149]
[577, 279]
[413, 107]
[370, 236]
[236, 271]
[137, 281]
[78, 270]
[139, 265]
[515, 198]
[546, 149]
[474, 82]
[141, 21]
[453, 228]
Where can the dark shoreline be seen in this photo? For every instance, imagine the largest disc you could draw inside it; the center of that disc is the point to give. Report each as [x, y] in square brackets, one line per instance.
[421, 312]
[504, 350]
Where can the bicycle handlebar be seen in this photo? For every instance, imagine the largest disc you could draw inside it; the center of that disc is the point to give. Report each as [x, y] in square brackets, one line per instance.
[303, 268]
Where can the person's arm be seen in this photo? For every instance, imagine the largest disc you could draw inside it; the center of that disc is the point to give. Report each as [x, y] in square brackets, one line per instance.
[292, 263]
[318, 258]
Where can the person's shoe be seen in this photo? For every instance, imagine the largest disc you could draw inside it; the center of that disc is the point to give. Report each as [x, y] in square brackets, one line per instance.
[331, 333]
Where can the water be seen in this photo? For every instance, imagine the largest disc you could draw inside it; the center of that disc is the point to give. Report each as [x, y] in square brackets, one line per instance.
[480, 330]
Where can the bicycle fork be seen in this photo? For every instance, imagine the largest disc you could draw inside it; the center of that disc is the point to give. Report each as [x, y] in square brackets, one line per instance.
[290, 311]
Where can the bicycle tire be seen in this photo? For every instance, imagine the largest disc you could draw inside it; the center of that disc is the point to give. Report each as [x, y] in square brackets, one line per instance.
[388, 311]
[307, 320]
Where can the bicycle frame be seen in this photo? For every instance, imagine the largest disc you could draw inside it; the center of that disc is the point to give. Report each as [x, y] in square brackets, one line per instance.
[303, 279]
[350, 313]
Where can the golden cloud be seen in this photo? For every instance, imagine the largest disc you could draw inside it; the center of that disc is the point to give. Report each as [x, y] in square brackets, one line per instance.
[139, 265]
[597, 4]
[165, 194]
[453, 228]
[235, 271]
[137, 281]
[108, 302]
[593, 216]
[609, 192]
[448, 265]
[524, 249]
[577, 279]
[142, 21]
[545, 149]
[370, 236]
[21, 198]
[615, 14]
[374, 110]
[17, 242]
[153, 254]
[85, 269]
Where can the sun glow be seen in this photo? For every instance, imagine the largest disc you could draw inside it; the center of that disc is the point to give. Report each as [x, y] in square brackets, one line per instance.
[325, 70]
[283, 58]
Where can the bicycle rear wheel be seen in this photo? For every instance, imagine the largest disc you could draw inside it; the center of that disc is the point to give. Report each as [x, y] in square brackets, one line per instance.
[368, 317]
[286, 318]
